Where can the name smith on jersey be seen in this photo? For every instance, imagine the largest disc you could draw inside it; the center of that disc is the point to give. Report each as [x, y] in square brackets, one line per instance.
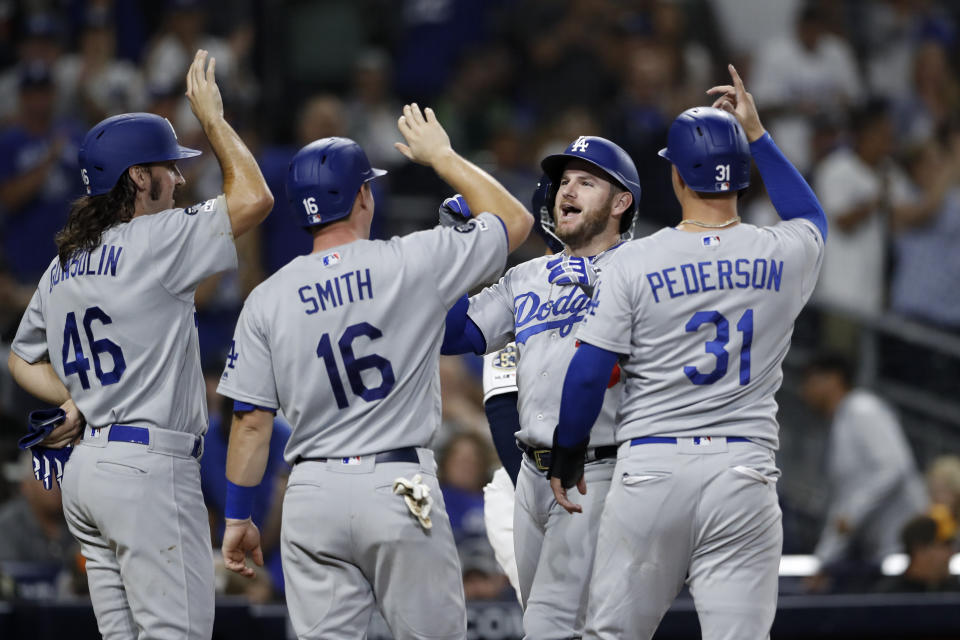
[352, 286]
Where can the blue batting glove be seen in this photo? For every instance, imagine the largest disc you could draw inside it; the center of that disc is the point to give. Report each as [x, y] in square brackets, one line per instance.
[566, 270]
[48, 464]
[41, 422]
[454, 211]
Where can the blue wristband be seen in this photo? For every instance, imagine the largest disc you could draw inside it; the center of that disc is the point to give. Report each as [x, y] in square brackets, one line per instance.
[239, 501]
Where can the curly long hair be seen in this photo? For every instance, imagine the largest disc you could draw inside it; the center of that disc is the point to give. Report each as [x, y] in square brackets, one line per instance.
[90, 216]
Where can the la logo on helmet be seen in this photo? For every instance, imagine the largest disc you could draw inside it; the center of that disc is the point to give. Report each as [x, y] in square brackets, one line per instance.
[580, 144]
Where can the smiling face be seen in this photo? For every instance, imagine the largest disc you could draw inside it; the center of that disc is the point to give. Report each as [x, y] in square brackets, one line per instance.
[585, 200]
[156, 183]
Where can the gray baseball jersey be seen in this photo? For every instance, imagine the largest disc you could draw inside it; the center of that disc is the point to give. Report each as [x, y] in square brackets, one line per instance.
[118, 323]
[704, 320]
[540, 317]
[118, 327]
[347, 341]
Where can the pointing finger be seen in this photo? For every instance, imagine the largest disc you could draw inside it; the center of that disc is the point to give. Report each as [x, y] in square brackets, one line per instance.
[737, 82]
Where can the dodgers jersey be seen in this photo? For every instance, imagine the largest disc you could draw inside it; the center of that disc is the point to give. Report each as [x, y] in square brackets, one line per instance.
[540, 317]
[118, 324]
[702, 322]
[347, 341]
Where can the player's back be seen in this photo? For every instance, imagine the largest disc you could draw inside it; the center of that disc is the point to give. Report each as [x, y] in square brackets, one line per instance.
[713, 314]
[119, 321]
[346, 341]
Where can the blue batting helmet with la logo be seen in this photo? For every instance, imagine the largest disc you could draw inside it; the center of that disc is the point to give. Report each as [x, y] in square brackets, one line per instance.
[710, 150]
[605, 155]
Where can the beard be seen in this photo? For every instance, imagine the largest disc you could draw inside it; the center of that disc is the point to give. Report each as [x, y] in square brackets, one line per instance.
[591, 224]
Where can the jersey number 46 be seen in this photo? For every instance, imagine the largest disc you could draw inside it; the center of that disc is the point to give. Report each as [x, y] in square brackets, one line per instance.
[80, 365]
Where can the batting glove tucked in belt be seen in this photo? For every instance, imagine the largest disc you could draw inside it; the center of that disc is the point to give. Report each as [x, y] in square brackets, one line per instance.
[417, 496]
[573, 270]
[47, 463]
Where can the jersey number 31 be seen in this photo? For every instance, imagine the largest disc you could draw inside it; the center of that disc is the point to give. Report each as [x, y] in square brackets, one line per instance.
[716, 346]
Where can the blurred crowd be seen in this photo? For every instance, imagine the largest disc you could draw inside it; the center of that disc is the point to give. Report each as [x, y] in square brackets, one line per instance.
[864, 97]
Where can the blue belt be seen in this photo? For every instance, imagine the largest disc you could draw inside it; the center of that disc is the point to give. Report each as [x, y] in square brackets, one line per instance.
[141, 435]
[404, 454]
[669, 440]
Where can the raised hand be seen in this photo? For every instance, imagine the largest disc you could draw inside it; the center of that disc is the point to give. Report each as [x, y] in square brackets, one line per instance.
[427, 142]
[202, 90]
[736, 100]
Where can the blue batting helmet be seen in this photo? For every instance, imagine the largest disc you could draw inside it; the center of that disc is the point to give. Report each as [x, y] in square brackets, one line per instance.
[543, 222]
[605, 155]
[710, 150]
[324, 179]
[119, 142]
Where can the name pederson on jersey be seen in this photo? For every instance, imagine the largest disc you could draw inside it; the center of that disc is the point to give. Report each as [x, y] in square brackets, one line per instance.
[119, 325]
[347, 341]
[703, 321]
[541, 318]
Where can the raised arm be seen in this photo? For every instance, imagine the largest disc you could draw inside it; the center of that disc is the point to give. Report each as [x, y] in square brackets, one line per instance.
[428, 144]
[790, 194]
[248, 198]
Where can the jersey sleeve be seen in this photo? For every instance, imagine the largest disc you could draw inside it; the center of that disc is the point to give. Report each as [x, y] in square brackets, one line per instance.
[191, 244]
[30, 342]
[492, 311]
[462, 257]
[608, 323]
[248, 374]
[802, 241]
[500, 372]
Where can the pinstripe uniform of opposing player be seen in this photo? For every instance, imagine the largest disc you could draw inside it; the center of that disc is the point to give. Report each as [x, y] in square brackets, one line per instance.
[593, 200]
[121, 294]
[699, 318]
[346, 341]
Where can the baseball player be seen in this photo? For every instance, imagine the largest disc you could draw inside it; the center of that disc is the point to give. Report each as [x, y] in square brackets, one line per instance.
[346, 340]
[111, 326]
[699, 318]
[593, 200]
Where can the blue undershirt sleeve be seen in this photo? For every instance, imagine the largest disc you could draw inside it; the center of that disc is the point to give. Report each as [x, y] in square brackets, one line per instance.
[504, 422]
[583, 389]
[461, 334]
[790, 194]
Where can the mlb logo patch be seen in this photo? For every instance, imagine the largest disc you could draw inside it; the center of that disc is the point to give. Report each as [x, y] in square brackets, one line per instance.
[723, 186]
[331, 259]
[352, 460]
[711, 241]
[94, 432]
[314, 218]
[702, 440]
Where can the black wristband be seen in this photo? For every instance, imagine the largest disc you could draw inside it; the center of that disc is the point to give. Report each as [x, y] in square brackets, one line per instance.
[567, 463]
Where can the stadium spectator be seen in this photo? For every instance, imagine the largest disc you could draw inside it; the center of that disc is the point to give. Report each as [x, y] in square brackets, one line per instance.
[464, 467]
[858, 186]
[39, 176]
[930, 553]
[92, 83]
[927, 233]
[794, 77]
[873, 483]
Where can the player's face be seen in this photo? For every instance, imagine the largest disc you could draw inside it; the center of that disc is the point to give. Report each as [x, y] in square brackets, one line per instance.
[583, 204]
[165, 177]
